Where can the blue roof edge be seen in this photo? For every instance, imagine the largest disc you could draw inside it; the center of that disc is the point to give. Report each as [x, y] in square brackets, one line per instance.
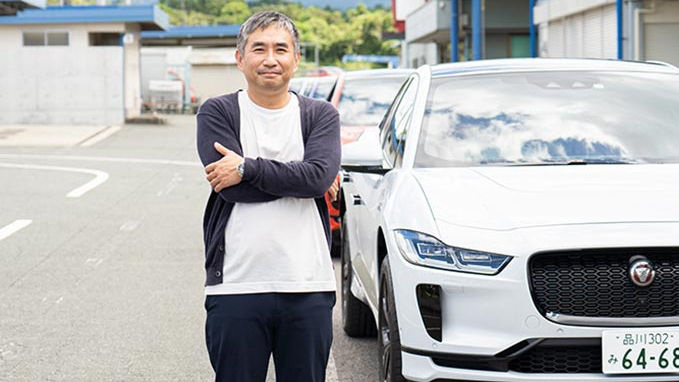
[148, 14]
[218, 31]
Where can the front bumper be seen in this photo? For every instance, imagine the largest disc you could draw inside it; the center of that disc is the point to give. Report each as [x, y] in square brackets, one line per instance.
[483, 316]
[420, 368]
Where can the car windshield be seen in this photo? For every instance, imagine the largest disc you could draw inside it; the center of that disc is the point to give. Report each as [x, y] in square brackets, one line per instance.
[364, 101]
[296, 84]
[322, 87]
[574, 117]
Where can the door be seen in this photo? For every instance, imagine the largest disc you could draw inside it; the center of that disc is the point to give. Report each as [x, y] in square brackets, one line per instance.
[372, 189]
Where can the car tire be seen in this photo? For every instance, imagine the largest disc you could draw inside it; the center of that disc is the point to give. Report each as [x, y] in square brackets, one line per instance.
[388, 338]
[357, 319]
[336, 248]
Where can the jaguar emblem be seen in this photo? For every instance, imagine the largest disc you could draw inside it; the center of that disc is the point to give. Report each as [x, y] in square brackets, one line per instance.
[641, 271]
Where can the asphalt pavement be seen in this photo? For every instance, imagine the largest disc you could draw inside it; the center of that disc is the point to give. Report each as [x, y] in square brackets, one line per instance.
[101, 259]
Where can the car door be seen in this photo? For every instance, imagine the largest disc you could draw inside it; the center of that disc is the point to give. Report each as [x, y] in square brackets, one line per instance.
[369, 190]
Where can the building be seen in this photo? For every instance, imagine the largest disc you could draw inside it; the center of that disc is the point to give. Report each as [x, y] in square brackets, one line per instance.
[624, 29]
[203, 57]
[11, 7]
[73, 65]
[481, 28]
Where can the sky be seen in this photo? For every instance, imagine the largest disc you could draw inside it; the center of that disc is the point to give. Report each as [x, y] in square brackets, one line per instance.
[343, 4]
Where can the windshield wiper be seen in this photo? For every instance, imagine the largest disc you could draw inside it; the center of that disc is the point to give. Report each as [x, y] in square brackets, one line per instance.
[570, 162]
[567, 162]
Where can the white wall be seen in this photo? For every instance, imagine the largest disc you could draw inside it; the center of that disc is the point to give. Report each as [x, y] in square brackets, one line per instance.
[406, 7]
[416, 54]
[215, 80]
[75, 84]
[132, 71]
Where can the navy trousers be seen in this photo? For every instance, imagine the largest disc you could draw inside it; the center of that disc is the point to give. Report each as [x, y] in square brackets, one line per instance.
[242, 331]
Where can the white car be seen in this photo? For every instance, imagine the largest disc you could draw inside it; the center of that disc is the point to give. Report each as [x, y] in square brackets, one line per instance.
[523, 225]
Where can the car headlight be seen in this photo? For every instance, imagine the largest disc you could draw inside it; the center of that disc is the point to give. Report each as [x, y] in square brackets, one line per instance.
[426, 250]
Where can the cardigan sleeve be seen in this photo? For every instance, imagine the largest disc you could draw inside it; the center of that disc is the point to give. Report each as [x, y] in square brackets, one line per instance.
[215, 123]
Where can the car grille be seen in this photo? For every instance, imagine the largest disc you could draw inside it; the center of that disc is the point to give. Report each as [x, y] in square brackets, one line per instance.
[559, 359]
[596, 283]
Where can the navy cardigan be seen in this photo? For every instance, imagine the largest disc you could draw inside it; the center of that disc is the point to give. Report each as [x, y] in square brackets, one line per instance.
[265, 179]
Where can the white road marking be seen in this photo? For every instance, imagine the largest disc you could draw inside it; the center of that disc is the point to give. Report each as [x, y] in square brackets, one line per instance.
[99, 176]
[10, 350]
[130, 225]
[176, 179]
[106, 159]
[100, 136]
[60, 300]
[94, 261]
[13, 227]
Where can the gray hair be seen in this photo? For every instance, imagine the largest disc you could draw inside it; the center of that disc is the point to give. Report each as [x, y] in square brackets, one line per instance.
[261, 20]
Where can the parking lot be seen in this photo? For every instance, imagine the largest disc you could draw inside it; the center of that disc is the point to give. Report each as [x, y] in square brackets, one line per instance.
[101, 262]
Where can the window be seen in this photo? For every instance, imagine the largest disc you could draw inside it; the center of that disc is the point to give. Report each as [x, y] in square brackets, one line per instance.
[364, 101]
[394, 127]
[57, 38]
[42, 38]
[105, 39]
[34, 38]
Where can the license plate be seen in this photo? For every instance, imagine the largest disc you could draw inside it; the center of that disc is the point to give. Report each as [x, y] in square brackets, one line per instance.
[640, 351]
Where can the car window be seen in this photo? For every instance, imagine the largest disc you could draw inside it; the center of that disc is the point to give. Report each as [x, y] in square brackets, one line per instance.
[323, 87]
[394, 128]
[365, 100]
[296, 84]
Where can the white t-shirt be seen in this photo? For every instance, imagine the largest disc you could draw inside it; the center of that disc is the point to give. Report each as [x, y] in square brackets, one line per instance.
[276, 246]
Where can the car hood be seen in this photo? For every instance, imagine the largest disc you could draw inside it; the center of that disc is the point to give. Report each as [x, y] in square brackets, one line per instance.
[511, 197]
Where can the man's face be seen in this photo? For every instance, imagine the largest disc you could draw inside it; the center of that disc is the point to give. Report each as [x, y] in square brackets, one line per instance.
[269, 59]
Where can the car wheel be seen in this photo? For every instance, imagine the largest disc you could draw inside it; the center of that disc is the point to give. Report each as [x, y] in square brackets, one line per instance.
[336, 248]
[357, 319]
[388, 338]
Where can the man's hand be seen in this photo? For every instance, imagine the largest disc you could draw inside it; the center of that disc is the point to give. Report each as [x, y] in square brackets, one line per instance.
[334, 190]
[224, 173]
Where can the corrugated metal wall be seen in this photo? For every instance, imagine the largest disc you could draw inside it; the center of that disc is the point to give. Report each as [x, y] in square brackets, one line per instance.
[609, 38]
[555, 44]
[661, 42]
[587, 34]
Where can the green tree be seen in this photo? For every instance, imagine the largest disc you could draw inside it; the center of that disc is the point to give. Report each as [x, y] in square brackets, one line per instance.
[357, 31]
[234, 12]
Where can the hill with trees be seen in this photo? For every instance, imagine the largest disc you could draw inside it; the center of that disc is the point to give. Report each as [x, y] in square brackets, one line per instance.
[357, 30]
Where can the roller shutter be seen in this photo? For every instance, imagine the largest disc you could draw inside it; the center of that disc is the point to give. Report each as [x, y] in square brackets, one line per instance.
[610, 32]
[661, 42]
[555, 47]
[592, 35]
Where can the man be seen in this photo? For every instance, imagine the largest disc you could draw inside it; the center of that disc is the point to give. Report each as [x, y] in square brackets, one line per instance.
[270, 156]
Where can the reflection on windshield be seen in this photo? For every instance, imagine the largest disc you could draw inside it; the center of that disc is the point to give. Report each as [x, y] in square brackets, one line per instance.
[296, 84]
[322, 88]
[365, 101]
[554, 117]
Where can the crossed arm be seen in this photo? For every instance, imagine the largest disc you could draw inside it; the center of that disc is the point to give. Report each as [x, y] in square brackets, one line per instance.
[267, 179]
[224, 172]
